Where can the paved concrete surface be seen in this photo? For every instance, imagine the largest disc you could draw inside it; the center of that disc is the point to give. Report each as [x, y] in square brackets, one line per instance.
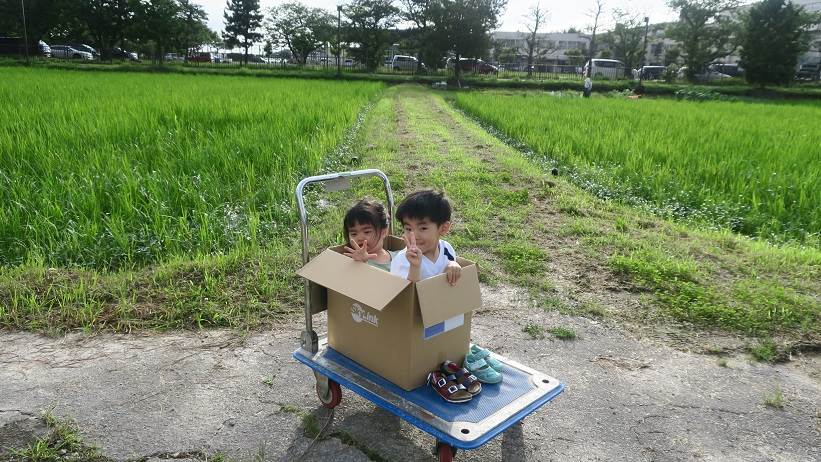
[191, 394]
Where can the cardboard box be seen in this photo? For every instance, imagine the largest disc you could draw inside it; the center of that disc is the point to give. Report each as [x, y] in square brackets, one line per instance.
[397, 329]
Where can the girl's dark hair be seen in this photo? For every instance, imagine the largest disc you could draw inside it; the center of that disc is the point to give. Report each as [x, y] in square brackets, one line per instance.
[428, 204]
[365, 212]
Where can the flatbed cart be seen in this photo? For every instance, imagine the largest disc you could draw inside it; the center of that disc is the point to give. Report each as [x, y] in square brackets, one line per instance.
[455, 426]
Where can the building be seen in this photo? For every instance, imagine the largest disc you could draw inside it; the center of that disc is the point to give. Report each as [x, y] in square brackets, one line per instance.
[554, 46]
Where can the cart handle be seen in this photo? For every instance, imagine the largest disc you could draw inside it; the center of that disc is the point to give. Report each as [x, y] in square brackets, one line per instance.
[337, 181]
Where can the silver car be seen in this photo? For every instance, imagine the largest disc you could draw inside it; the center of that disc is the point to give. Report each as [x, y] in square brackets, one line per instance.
[67, 52]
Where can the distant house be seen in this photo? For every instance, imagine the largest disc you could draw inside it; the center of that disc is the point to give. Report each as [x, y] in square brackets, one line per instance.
[554, 44]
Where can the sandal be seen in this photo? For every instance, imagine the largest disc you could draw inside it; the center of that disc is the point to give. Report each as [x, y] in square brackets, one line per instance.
[483, 371]
[449, 390]
[477, 352]
[463, 377]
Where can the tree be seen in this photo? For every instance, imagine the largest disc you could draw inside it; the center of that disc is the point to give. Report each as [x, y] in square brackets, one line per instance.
[368, 29]
[41, 17]
[242, 23]
[625, 39]
[299, 28]
[595, 13]
[536, 46]
[774, 33]
[160, 23]
[194, 31]
[705, 31]
[671, 56]
[107, 21]
[464, 26]
[575, 57]
[423, 40]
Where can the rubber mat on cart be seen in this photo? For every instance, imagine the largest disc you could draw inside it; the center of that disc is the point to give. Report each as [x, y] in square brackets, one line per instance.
[493, 397]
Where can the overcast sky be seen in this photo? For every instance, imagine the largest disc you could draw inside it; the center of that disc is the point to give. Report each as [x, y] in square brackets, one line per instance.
[563, 14]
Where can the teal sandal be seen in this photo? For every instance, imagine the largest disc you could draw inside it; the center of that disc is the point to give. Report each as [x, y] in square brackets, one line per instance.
[482, 371]
[476, 352]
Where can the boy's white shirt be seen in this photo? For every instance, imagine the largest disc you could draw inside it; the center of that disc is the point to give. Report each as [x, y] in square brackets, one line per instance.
[400, 266]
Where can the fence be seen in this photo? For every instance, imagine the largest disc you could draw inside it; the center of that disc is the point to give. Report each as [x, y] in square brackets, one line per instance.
[469, 69]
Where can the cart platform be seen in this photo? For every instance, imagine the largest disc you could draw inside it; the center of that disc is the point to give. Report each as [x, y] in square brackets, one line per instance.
[464, 426]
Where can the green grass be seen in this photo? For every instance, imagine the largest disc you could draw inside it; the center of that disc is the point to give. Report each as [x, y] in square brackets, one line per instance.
[775, 399]
[765, 351]
[562, 333]
[751, 167]
[63, 442]
[113, 170]
[535, 331]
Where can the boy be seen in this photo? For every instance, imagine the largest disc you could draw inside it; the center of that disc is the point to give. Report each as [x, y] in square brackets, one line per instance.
[425, 216]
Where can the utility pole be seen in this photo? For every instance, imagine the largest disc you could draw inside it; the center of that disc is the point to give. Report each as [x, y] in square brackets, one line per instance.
[25, 32]
[338, 41]
[644, 49]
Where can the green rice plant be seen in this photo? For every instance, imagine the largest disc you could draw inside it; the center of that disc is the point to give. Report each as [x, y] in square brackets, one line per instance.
[111, 170]
[751, 167]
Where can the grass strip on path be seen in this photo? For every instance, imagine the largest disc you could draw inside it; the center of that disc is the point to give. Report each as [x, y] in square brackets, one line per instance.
[581, 254]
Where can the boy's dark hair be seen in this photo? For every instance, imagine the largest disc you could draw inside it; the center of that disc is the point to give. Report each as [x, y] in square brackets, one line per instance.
[428, 204]
[365, 212]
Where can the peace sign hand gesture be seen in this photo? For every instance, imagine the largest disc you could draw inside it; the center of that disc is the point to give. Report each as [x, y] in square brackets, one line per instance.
[413, 254]
[359, 253]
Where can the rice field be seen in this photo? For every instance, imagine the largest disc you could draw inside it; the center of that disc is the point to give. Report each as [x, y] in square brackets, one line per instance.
[752, 167]
[106, 170]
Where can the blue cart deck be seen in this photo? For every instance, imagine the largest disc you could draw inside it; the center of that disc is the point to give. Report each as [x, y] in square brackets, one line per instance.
[465, 426]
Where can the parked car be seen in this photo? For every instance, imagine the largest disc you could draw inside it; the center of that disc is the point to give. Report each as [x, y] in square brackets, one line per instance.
[809, 72]
[201, 57]
[473, 65]
[67, 52]
[119, 53]
[172, 57]
[86, 48]
[707, 76]
[16, 46]
[407, 63]
[733, 70]
[652, 72]
[605, 69]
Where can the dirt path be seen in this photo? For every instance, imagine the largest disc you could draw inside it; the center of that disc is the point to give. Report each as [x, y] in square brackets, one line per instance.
[628, 397]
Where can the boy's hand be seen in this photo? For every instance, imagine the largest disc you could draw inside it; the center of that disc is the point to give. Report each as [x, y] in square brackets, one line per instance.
[359, 253]
[454, 272]
[412, 253]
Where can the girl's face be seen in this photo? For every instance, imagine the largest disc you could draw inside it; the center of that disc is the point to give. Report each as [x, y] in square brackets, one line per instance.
[359, 233]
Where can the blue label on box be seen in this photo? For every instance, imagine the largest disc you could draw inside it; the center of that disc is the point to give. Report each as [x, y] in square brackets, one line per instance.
[444, 326]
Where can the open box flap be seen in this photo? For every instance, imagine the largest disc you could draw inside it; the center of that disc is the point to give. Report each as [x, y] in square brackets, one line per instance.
[439, 301]
[364, 283]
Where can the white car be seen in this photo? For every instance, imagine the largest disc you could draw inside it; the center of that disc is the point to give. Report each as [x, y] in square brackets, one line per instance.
[605, 69]
[707, 76]
[65, 51]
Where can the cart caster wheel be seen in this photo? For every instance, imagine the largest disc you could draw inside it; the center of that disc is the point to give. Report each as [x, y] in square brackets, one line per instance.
[329, 394]
[445, 452]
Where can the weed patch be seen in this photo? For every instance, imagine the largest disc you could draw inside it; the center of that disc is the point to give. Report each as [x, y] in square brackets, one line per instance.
[775, 399]
[563, 333]
[535, 331]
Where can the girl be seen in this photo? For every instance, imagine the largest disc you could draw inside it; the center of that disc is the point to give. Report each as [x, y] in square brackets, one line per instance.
[365, 229]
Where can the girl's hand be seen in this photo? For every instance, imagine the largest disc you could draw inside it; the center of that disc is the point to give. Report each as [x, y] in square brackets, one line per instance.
[454, 272]
[359, 253]
[413, 254]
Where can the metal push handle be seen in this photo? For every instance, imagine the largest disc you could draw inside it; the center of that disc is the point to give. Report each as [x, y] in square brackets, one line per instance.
[333, 181]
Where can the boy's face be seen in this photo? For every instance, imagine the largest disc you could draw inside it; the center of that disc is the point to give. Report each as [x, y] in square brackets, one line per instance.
[361, 232]
[427, 233]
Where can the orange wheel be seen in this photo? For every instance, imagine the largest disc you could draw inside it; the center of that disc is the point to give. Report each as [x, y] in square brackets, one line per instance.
[445, 452]
[331, 396]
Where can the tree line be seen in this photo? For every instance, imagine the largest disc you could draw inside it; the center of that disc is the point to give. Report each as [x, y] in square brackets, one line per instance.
[768, 36]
